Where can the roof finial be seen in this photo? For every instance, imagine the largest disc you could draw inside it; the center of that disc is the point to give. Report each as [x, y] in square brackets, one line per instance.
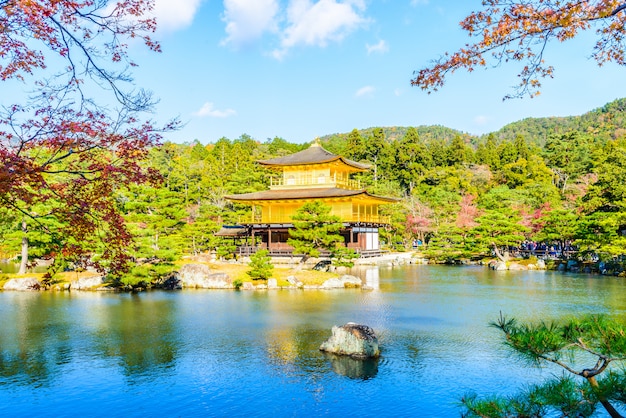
[316, 143]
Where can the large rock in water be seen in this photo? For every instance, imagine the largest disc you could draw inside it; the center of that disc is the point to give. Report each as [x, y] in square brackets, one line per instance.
[200, 276]
[26, 283]
[358, 341]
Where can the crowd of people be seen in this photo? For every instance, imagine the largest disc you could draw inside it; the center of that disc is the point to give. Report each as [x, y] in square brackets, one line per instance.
[545, 250]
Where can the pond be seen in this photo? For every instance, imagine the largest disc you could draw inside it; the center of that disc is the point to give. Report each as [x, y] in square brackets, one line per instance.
[10, 267]
[255, 353]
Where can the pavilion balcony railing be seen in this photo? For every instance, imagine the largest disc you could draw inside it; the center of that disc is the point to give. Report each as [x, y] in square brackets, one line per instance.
[248, 250]
[299, 182]
[286, 219]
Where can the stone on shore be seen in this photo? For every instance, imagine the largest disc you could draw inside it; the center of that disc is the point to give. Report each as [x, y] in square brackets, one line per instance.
[168, 282]
[342, 282]
[23, 284]
[200, 276]
[498, 266]
[294, 281]
[354, 340]
[87, 283]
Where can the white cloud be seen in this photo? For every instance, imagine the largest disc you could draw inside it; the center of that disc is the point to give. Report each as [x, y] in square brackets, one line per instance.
[397, 92]
[418, 2]
[365, 91]
[248, 20]
[175, 14]
[481, 120]
[208, 110]
[381, 47]
[318, 23]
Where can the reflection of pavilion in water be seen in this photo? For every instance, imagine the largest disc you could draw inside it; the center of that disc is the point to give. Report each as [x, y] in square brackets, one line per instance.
[294, 350]
[372, 279]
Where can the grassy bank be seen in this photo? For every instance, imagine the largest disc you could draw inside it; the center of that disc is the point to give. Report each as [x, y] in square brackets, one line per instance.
[236, 271]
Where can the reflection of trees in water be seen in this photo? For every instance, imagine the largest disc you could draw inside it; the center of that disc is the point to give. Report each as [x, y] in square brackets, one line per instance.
[296, 351]
[26, 368]
[297, 346]
[140, 332]
[35, 340]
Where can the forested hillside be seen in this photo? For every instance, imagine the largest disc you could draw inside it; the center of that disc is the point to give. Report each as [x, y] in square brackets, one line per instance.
[606, 122]
[556, 181]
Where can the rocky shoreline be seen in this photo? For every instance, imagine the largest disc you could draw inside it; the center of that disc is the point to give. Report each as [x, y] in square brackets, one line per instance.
[191, 276]
[196, 275]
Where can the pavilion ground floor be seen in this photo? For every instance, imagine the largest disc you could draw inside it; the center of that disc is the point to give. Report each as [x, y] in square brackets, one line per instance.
[249, 238]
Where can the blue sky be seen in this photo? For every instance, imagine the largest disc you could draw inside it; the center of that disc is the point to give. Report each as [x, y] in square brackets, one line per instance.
[299, 69]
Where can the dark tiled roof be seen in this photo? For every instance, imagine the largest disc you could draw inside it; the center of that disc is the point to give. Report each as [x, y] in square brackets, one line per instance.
[305, 194]
[315, 154]
[231, 231]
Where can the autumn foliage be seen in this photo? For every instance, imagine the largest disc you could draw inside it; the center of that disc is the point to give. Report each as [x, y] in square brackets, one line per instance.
[518, 31]
[64, 153]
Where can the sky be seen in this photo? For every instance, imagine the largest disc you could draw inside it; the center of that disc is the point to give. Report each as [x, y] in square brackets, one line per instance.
[301, 69]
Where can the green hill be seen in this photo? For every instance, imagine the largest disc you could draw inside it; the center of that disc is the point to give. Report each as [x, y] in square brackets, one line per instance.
[606, 122]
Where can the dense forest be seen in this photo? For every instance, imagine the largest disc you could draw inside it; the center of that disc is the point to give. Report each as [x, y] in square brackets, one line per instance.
[550, 180]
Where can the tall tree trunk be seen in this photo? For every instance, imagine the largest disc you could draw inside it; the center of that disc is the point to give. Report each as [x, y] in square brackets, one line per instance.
[24, 262]
[498, 254]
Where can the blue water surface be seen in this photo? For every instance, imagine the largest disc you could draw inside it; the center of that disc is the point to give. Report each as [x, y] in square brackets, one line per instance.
[255, 353]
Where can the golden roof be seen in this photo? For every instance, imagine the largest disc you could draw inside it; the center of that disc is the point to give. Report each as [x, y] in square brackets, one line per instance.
[310, 193]
[315, 154]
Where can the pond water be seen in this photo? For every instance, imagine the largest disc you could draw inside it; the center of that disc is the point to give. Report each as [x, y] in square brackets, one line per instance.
[230, 353]
[10, 267]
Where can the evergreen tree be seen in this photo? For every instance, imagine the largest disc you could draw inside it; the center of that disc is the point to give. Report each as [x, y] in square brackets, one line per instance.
[605, 204]
[261, 265]
[499, 230]
[521, 147]
[558, 225]
[487, 153]
[411, 160]
[507, 153]
[355, 146]
[156, 217]
[458, 152]
[569, 156]
[595, 340]
[314, 229]
[377, 151]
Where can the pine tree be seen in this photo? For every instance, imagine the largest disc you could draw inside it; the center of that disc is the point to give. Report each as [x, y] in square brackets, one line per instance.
[261, 265]
[595, 340]
[314, 229]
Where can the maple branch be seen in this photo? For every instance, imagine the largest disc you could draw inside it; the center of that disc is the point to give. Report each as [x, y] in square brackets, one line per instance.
[520, 31]
[618, 9]
[29, 215]
[138, 102]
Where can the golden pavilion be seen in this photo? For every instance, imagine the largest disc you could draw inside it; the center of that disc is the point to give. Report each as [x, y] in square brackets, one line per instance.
[311, 175]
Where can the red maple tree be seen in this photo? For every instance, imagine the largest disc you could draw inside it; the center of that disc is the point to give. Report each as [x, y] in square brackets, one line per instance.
[60, 149]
